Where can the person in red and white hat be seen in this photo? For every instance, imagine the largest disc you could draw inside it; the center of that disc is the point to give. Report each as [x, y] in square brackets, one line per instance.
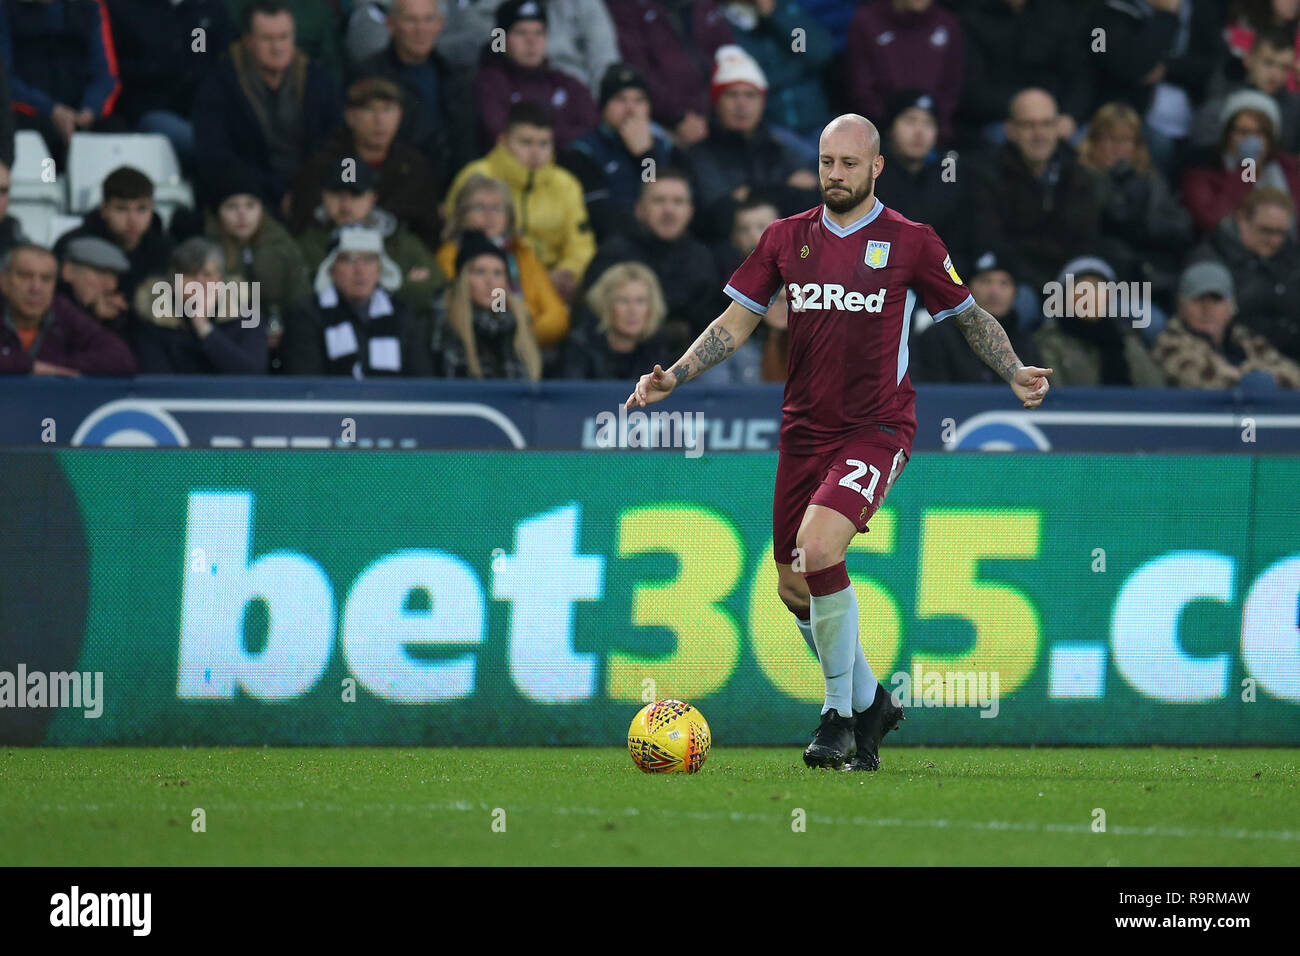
[742, 157]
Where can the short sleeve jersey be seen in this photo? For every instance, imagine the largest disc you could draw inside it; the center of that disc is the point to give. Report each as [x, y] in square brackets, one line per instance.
[851, 293]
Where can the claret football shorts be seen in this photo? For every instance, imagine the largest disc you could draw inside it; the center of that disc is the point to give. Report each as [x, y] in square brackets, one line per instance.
[852, 479]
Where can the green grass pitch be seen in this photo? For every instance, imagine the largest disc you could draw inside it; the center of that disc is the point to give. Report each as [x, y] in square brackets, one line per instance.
[381, 806]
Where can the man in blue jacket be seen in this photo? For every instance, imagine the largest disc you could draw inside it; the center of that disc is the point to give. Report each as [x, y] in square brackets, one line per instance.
[63, 74]
[162, 62]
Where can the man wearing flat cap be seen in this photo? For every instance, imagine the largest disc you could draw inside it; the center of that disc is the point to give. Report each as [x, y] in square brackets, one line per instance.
[1203, 346]
[88, 277]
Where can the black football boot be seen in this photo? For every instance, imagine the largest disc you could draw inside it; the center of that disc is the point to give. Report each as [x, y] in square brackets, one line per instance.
[832, 741]
[871, 725]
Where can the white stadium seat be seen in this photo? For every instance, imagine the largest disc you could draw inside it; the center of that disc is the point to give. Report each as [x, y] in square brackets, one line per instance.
[31, 176]
[35, 219]
[92, 156]
[61, 224]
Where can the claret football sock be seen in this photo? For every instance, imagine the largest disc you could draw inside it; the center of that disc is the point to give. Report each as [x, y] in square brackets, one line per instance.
[835, 633]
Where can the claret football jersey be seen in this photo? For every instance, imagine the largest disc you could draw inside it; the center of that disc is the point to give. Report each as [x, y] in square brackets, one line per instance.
[851, 292]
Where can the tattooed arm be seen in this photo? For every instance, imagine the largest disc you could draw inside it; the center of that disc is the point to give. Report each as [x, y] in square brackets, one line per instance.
[988, 339]
[724, 335]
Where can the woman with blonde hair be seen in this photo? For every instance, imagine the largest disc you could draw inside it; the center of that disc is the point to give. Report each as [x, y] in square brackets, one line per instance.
[481, 328]
[485, 204]
[628, 304]
[1144, 230]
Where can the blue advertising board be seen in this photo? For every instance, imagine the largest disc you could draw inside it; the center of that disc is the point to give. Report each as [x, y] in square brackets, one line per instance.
[262, 412]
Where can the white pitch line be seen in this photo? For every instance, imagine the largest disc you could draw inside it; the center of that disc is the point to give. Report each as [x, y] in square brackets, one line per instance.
[737, 817]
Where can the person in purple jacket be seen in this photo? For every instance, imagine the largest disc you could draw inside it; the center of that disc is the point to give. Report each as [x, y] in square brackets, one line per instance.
[673, 45]
[903, 44]
[45, 334]
[522, 73]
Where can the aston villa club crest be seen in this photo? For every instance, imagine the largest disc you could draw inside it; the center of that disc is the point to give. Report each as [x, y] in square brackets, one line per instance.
[877, 254]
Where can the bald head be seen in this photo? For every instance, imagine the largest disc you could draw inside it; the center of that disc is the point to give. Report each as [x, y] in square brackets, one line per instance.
[1033, 127]
[848, 163]
[1032, 102]
[850, 132]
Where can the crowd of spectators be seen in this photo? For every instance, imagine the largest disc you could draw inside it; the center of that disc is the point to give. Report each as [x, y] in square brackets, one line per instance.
[530, 189]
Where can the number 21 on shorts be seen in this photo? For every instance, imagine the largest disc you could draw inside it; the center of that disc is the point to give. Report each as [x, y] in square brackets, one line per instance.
[860, 468]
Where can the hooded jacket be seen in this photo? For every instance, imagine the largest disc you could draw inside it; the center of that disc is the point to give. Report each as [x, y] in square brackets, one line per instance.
[401, 245]
[549, 211]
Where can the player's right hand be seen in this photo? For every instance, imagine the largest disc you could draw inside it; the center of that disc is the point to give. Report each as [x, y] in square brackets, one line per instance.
[652, 387]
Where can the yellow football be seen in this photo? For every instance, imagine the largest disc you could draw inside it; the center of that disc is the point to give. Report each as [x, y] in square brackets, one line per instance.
[669, 736]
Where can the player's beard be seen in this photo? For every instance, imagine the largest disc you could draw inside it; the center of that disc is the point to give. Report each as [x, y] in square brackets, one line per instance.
[843, 202]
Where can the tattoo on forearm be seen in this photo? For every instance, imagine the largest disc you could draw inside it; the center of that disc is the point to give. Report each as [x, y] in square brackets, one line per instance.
[989, 341]
[710, 348]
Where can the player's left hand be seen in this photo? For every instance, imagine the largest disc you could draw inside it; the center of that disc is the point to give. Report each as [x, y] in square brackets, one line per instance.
[1030, 384]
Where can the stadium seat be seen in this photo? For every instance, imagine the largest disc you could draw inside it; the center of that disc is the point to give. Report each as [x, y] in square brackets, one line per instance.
[92, 156]
[35, 219]
[31, 183]
[61, 224]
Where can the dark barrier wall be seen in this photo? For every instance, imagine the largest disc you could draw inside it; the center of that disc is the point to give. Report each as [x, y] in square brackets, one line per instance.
[242, 597]
[231, 412]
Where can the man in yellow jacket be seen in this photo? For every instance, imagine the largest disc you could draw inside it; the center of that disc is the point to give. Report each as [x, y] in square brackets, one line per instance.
[548, 200]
